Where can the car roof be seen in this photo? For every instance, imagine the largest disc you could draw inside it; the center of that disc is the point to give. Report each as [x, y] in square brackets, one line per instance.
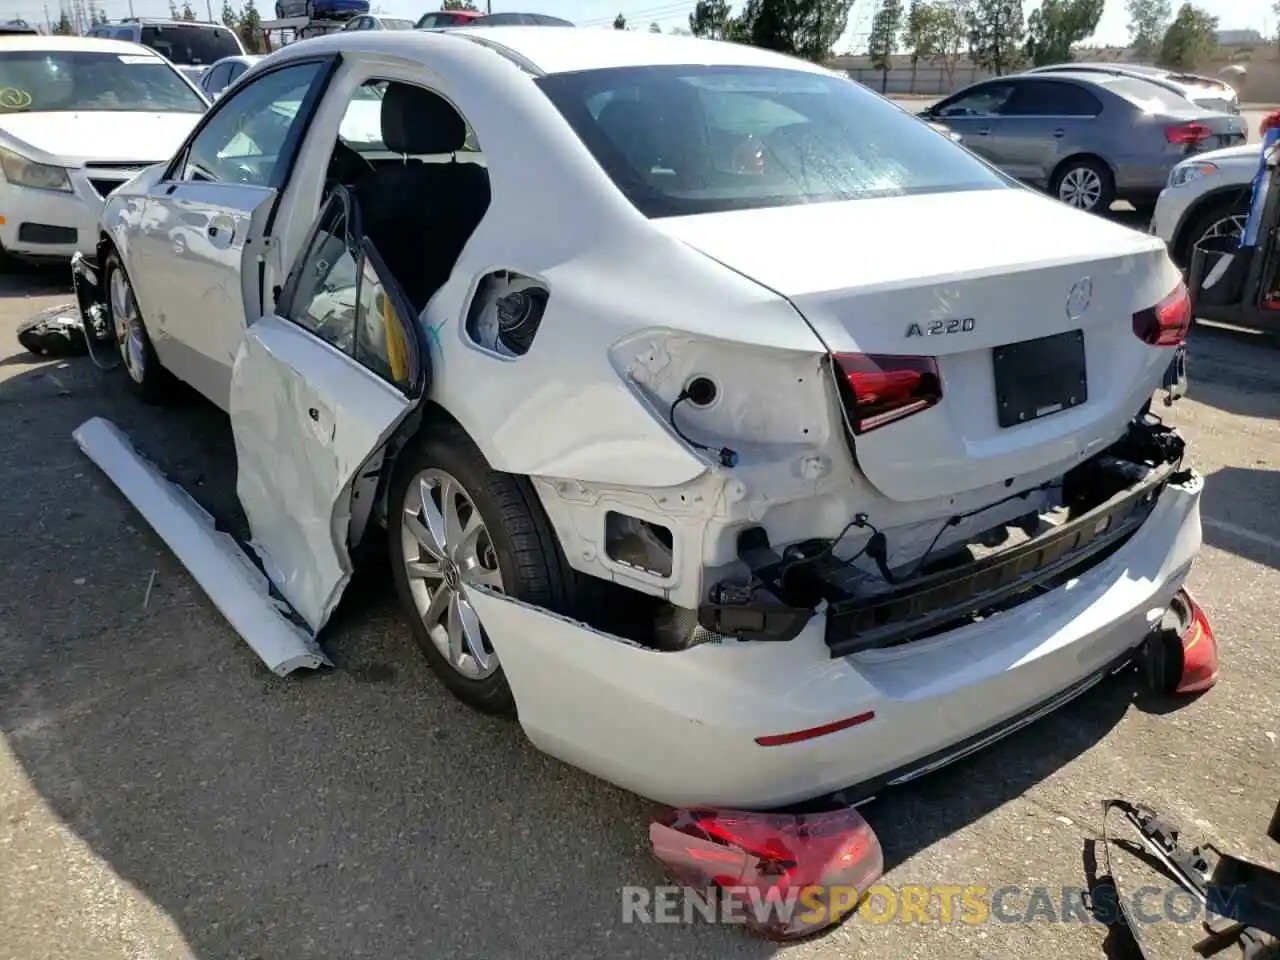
[560, 49]
[86, 44]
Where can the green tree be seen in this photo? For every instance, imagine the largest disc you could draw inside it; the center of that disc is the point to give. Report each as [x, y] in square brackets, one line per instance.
[654, 28]
[250, 27]
[710, 19]
[64, 27]
[230, 19]
[996, 32]
[173, 10]
[920, 35]
[802, 28]
[884, 38]
[1147, 22]
[1190, 39]
[459, 5]
[1059, 25]
[188, 13]
[951, 33]
[619, 22]
[99, 17]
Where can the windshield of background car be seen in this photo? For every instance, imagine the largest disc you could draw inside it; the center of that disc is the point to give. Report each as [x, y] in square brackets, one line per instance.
[61, 80]
[1149, 97]
[191, 45]
[698, 139]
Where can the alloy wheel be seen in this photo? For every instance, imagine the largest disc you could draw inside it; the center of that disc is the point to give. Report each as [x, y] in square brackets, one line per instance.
[446, 549]
[1080, 188]
[1231, 227]
[128, 327]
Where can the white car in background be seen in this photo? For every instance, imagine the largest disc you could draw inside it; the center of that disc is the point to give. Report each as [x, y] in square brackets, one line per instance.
[225, 72]
[1207, 196]
[78, 118]
[1204, 92]
[709, 437]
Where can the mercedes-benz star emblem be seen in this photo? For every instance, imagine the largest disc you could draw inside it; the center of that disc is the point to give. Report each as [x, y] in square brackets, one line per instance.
[1078, 298]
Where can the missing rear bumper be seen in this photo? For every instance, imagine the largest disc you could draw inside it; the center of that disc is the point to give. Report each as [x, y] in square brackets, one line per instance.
[1105, 501]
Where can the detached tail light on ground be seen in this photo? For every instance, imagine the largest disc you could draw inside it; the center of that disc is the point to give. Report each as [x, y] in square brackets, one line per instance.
[1181, 657]
[1166, 324]
[785, 876]
[887, 388]
[1190, 134]
[1199, 653]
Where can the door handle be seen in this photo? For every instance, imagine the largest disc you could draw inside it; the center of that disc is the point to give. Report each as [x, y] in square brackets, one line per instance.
[984, 131]
[1059, 134]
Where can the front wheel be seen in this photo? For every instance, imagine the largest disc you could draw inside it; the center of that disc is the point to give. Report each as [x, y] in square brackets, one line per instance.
[455, 524]
[1226, 220]
[146, 377]
[1086, 185]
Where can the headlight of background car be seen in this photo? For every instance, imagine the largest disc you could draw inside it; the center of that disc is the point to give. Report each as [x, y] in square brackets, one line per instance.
[1184, 173]
[27, 173]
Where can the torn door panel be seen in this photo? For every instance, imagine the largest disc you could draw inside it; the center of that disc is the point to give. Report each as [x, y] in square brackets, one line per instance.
[305, 420]
[236, 587]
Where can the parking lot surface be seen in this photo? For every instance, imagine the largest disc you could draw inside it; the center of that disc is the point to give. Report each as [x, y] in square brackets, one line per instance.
[163, 796]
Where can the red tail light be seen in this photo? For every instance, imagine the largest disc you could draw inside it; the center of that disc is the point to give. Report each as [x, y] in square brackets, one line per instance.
[1269, 121]
[784, 876]
[888, 388]
[1199, 653]
[1166, 324]
[1188, 133]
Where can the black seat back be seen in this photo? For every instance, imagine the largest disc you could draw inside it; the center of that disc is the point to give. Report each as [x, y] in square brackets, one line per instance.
[420, 215]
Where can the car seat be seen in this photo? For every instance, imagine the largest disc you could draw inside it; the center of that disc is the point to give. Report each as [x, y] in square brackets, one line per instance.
[420, 215]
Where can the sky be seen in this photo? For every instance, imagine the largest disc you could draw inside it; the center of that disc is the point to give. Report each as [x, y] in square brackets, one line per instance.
[1231, 14]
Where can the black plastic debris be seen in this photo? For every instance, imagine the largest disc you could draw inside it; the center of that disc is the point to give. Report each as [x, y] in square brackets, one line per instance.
[56, 332]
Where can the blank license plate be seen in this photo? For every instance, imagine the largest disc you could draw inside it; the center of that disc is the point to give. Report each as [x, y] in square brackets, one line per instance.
[1038, 378]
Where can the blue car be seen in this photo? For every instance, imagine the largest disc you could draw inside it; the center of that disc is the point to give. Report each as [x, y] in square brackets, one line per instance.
[320, 9]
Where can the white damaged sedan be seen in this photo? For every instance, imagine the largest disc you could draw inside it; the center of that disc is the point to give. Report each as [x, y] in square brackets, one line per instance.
[749, 438]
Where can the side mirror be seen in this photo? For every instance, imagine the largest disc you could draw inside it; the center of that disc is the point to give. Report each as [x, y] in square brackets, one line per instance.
[926, 114]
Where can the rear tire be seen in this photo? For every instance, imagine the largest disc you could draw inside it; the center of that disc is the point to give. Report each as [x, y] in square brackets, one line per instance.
[512, 549]
[1086, 184]
[148, 380]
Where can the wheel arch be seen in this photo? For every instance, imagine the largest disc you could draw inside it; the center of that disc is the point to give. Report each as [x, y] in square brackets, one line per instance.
[1076, 158]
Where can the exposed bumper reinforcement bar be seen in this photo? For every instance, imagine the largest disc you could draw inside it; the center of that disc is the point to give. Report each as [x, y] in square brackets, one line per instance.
[865, 624]
[236, 586]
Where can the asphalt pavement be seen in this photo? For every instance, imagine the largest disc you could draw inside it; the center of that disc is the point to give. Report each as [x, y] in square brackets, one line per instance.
[163, 796]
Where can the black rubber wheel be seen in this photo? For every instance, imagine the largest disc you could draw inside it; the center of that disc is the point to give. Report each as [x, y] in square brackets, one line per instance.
[1205, 223]
[141, 367]
[1086, 184]
[517, 536]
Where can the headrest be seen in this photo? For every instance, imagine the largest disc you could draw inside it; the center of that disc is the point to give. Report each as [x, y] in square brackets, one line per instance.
[417, 121]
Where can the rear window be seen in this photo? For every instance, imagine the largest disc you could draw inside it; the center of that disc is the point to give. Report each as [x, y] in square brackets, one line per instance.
[191, 45]
[1150, 97]
[684, 140]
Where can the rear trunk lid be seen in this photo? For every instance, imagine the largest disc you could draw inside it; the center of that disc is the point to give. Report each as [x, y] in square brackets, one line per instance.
[959, 277]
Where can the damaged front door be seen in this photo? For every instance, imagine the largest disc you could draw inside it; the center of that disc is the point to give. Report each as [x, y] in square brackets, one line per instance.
[316, 391]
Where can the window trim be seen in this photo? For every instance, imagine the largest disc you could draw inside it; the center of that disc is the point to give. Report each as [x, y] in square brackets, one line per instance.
[293, 141]
[365, 252]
